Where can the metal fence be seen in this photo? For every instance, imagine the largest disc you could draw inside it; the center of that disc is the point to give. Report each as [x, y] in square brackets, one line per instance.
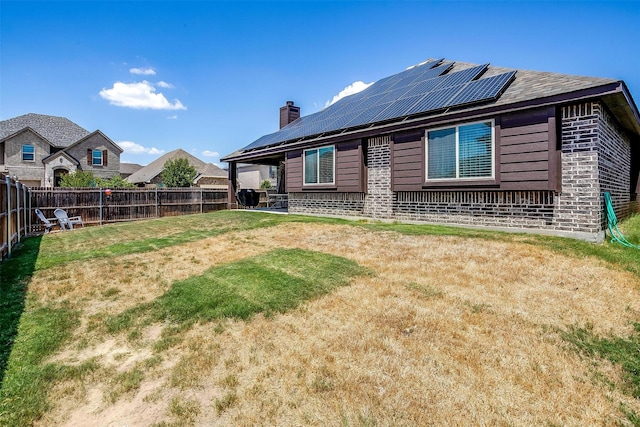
[99, 206]
[14, 214]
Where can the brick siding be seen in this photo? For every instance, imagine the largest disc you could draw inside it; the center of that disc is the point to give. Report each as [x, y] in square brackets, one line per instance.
[379, 199]
[493, 208]
[343, 204]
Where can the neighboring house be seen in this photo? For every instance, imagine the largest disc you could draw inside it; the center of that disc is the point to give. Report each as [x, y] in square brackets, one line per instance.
[38, 150]
[459, 143]
[252, 176]
[127, 169]
[209, 175]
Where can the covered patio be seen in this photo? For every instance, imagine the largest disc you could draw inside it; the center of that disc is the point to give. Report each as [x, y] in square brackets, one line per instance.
[273, 199]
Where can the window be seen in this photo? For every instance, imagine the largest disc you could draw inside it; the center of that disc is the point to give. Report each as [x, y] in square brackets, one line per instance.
[273, 172]
[461, 152]
[96, 158]
[28, 153]
[319, 166]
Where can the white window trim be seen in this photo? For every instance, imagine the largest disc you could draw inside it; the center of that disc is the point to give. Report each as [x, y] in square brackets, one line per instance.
[33, 154]
[101, 158]
[304, 161]
[457, 128]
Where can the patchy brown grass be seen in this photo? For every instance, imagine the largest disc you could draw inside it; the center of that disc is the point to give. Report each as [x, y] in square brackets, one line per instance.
[450, 331]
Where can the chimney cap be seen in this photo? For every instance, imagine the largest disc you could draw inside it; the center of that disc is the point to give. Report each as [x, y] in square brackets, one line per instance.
[289, 103]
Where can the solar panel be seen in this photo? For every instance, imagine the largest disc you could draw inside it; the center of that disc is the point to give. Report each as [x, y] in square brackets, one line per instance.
[341, 121]
[483, 89]
[367, 115]
[369, 101]
[433, 100]
[397, 108]
[420, 89]
[433, 72]
[263, 141]
[460, 77]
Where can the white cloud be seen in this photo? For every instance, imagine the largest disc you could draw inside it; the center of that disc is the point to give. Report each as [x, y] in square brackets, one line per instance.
[165, 84]
[139, 95]
[208, 153]
[133, 148]
[175, 116]
[354, 87]
[143, 71]
[418, 65]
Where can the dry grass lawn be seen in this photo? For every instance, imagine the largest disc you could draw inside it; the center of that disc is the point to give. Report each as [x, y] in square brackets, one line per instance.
[450, 331]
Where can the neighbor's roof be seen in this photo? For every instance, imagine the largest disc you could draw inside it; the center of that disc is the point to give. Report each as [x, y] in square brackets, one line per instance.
[129, 168]
[59, 131]
[433, 89]
[155, 168]
[211, 170]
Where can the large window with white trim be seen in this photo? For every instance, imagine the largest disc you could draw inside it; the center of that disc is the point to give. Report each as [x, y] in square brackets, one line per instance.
[28, 153]
[461, 152]
[319, 165]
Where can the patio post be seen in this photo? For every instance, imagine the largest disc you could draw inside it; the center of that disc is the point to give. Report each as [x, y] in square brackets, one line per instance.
[231, 191]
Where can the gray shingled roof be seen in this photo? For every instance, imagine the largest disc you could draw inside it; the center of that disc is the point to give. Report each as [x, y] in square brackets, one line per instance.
[129, 168]
[153, 169]
[527, 86]
[59, 131]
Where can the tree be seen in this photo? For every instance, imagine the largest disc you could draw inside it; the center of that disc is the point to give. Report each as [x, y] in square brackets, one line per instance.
[83, 179]
[78, 179]
[178, 173]
[116, 181]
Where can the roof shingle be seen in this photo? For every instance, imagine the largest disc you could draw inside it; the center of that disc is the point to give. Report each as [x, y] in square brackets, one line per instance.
[59, 131]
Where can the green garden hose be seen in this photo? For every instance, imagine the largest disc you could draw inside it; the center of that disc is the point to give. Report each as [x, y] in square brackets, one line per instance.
[612, 223]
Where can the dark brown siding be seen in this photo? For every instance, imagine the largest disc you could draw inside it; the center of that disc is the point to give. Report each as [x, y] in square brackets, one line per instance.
[525, 152]
[526, 155]
[349, 167]
[293, 169]
[349, 170]
[407, 160]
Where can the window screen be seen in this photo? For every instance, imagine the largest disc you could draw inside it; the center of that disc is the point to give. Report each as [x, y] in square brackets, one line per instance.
[460, 152]
[474, 143]
[319, 166]
[442, 154]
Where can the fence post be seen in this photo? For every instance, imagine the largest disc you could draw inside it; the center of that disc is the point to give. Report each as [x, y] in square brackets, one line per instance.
[100, 190]
[157, 202]
[201, 202]
[8, 182]
[18, 210]
[27, 195]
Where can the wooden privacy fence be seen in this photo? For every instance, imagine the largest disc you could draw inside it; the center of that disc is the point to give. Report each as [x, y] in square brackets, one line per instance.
[100, 206]
[14, 214]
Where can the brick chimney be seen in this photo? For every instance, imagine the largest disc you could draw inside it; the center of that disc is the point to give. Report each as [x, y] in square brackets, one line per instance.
[288, 113]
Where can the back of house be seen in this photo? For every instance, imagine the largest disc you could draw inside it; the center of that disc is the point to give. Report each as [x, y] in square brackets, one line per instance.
[458, 143]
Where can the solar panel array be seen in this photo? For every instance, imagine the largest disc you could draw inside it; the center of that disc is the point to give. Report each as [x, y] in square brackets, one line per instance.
[425, 88]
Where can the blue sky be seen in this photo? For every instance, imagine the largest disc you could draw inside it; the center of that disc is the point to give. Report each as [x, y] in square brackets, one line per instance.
[209, 77]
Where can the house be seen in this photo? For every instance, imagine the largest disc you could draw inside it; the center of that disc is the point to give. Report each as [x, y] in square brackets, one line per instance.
[459, 143]
[253, 176]
[38, 150]
[209, 175]
[127, 169]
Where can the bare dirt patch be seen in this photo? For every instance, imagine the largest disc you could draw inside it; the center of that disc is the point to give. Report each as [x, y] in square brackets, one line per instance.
[450, 331]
